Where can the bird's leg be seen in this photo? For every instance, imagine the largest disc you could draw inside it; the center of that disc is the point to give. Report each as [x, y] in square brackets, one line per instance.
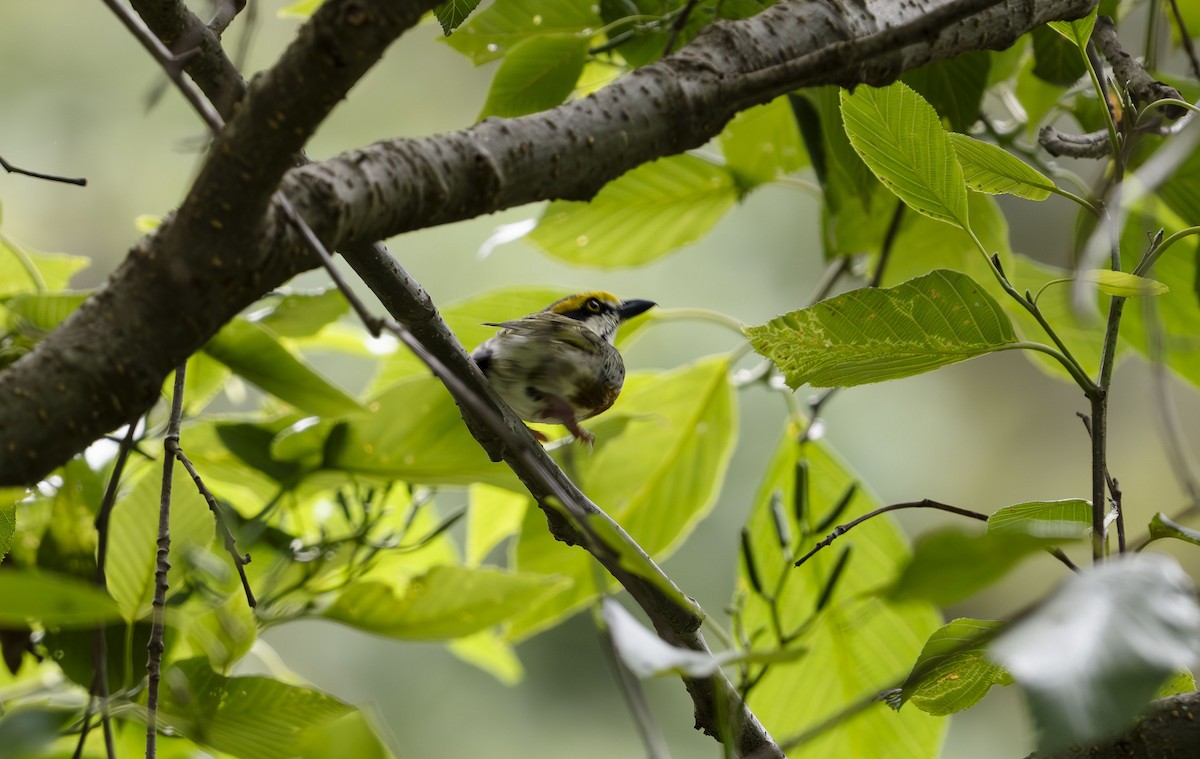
[561, 411]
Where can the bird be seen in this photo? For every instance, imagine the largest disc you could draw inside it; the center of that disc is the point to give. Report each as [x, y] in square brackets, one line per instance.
[559, 365]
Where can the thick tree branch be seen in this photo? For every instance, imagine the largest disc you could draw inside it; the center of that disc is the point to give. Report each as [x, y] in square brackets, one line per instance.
[223, 249]
[1170, 728]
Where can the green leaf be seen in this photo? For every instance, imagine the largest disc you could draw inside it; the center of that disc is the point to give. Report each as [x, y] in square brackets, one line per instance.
[856, 644]
[537, 73]
[762, 142]
[1070, 519]
[413, 432]
[877, 334]
[1092, 656]
[1056, 60]
[452, 13]
[8, 517]
[446, 602]
[991, 169]
[495, 514]
[952, 673]
[639, 217]
[954, 87]
[253, 353]
[299, 9]
[133, 538]
[53, 599]
[249, 717]
[1079, 31]
[899, 136]
[303, 314]
[948, 566]
[29, 731]
[42, 312]
[1162, 526]
[660, 457]
[491, 653]
[492, 32]
[29, 271]
[223, 631]
[1123, 284]
[351, 735]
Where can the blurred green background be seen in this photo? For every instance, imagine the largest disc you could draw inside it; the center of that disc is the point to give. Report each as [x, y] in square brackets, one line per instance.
[985, 434]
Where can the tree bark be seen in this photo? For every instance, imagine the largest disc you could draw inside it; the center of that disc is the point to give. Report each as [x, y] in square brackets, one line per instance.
[228, 244]
[1171, 730]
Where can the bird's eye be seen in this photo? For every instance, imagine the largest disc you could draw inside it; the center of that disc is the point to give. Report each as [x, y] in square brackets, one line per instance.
[592, 305]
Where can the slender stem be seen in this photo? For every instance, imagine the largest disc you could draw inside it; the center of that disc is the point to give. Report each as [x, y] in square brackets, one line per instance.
[239, 561]
[700, 314]
[78, 181]
[1186, 38]
[155, 648]
[1090, 59]
[1063, 354]
[1088, 205]
[35, 276]
[842, 529]
[171, 64]
[1156, 252]
[889, 241]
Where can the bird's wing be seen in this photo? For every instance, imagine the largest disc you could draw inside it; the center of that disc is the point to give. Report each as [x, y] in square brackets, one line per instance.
[553, 327]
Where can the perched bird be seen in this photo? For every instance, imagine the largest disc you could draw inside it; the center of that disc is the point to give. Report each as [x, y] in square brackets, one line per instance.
[559, 364]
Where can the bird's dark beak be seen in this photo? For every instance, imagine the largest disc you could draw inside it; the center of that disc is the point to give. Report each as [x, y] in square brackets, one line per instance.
[632, 308]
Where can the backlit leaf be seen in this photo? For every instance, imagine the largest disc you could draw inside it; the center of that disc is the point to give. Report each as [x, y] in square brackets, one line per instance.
[992, 169]
[899, 136]
[952, 672]
[446, 602]
[640, 216]
[537, 73]
[877, 334]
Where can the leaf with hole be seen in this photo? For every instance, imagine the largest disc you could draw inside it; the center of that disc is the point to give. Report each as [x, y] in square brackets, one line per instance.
[952, 673]
[877, 334]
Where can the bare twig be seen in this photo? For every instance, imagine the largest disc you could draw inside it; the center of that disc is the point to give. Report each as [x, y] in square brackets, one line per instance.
[11, 169]
[99, 688]
[239, 560]
[1186, 38]
[677, 27]
[171, 64]
[842, 529]
[226, 12]
[155, 647]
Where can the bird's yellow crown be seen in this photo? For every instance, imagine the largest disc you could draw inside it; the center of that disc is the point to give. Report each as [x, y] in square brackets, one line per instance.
[577, 301]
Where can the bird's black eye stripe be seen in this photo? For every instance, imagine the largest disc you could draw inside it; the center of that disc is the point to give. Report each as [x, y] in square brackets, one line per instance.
[592, 305]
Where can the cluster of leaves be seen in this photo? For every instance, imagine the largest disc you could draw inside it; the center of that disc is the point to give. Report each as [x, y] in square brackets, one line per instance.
[345, 500]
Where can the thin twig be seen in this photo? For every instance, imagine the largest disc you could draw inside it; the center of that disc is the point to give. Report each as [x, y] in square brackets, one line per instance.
[635, 699]
[842, 529]
[677, 27]
[99, 688]
[155, 647]
[171, 64]
[889, 242]
[11, 169]
[239, 560]
[1186, 38]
